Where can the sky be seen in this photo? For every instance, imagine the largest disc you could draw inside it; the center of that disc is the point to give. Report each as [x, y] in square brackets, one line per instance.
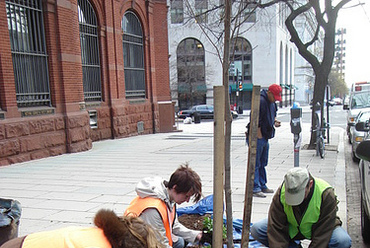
[356, 20]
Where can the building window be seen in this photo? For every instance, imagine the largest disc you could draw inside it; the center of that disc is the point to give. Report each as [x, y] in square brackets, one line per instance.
[177, 11]
[240, 61]
[201, 7]
[249, 12]
[27, 40]
[89, 51]
[191, 73]
[133, 56]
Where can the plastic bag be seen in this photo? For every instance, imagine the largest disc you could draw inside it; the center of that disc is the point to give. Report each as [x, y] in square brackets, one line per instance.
[204, 206]
[10, 210]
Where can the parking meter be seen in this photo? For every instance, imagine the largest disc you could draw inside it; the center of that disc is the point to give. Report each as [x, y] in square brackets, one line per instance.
[296, 129]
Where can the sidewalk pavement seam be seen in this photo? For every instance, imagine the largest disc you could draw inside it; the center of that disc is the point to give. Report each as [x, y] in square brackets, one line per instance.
[340, 177]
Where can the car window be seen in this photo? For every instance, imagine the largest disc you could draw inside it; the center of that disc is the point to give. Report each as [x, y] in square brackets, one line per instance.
[202, 108]
[210, 108]
[360, 100]
[365, 116]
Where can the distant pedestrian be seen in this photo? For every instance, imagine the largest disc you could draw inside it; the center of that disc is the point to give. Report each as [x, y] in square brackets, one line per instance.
[304, 207]
[110, 231]
[156, 204]
[266, 130]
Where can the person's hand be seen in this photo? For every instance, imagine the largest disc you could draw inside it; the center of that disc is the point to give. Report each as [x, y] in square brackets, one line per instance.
[206, 237]
[277, 123]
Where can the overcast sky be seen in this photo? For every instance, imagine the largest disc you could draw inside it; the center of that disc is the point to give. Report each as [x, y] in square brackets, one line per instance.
[357, 22]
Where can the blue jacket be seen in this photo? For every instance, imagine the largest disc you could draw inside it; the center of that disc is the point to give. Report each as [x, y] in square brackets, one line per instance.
[267, 116]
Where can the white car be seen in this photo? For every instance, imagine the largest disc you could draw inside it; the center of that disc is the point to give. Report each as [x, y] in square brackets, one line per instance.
[337, 101]
[358, 136]
[362, 152]
[359, 101]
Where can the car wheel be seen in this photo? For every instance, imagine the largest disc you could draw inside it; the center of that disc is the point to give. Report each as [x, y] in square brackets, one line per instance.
[354, 158]
[365, 223]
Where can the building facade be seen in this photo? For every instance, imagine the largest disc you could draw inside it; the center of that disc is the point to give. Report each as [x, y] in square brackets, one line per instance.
[77, 71]
[260, 54]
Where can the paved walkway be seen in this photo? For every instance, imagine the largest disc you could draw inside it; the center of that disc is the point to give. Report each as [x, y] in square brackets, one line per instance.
[69, 189]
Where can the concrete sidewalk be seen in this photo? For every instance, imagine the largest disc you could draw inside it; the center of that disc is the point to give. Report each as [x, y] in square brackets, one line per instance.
[69, 189]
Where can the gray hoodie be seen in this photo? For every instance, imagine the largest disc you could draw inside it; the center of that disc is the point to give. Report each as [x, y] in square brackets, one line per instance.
[154, 187]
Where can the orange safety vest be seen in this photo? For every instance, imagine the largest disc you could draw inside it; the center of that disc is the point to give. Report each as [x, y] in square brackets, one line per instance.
[70, 237]
[138, 205]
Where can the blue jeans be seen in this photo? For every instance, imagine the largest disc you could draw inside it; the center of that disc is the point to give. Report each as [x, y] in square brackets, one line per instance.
[180, 243]
[262, 155]
[339, 237]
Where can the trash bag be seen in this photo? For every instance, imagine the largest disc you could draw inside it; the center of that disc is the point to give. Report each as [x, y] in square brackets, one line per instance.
[204, 206]
[10, 214]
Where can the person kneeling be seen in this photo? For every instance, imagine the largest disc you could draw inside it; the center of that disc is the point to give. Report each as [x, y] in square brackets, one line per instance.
[304, 207]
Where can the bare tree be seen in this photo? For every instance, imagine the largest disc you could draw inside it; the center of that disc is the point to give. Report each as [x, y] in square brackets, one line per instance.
[325, 16]
[220, 23]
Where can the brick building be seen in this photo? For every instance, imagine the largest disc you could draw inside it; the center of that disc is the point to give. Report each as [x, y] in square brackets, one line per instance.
[77, 71]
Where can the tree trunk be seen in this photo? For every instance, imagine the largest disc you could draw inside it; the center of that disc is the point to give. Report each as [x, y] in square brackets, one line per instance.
[228, 121]
[321, 80]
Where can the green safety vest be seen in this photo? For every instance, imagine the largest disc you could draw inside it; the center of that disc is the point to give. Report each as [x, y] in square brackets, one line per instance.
[312, 214]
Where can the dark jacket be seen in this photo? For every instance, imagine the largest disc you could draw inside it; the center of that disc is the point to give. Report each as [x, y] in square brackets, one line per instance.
[267, 116]
[277, 229]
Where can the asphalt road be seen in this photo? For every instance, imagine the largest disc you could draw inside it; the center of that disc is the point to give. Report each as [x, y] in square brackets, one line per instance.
[353, 198]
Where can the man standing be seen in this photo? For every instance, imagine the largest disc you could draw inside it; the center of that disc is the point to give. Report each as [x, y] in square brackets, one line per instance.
[304, 207]
[156, 205]
[266, 130]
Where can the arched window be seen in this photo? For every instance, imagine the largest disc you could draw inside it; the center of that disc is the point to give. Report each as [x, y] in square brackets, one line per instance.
[240, 61]
[191, 73]
[27, 41]
[240, 73]
[89, 51]
[133, 56]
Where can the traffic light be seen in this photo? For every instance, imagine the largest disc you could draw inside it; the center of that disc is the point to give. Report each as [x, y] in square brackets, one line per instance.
[240, 86]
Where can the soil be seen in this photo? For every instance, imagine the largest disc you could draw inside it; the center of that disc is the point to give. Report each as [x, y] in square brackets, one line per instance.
[193, 221]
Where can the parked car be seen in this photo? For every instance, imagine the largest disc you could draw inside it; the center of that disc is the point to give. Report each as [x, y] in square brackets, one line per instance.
[362, 151]
[358, 101]
[337, 101]
[358, 136]
[234, 114]
[204, 111]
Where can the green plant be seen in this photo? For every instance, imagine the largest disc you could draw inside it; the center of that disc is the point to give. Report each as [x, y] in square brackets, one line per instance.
[208, 227]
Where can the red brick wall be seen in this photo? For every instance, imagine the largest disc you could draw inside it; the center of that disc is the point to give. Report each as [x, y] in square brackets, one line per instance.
[65, 126]
[31, 138]
[161, 50]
